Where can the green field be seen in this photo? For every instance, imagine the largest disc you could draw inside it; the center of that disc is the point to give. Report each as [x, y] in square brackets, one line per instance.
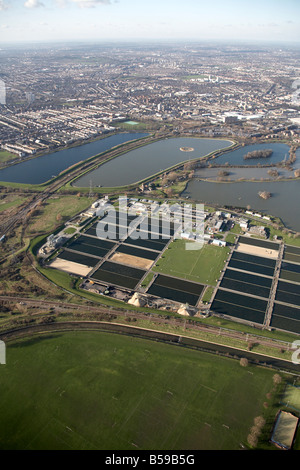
[11, 201]
[202, 265]
[291, 397]
[6, 156]
[94, 390]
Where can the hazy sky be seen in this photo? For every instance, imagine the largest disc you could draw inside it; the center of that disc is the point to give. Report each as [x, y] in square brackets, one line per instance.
[43, 20]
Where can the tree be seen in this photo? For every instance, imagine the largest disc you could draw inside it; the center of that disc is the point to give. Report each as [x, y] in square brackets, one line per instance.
[243, 362]
[188, 166]
[223, 173]
[276, 379]
[255, 431]
[297, 173]
[259, 421]
[252, 440]
[172, 176]
[169, 192]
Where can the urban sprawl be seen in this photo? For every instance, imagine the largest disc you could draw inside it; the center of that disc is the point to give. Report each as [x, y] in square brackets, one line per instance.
[54, 96]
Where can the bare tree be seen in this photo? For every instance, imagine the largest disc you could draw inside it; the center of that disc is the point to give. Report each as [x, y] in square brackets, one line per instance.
[252, 440]
[169, 192]
[172, 176]
[277, 379]
[243, 362]
[259, 421]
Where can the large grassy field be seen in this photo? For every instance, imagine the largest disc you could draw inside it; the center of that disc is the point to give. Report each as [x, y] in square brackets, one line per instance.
[56, 210]
[202, 265]
[93, 390]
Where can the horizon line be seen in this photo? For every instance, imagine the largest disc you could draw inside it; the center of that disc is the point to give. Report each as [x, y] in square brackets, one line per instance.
[153, 40]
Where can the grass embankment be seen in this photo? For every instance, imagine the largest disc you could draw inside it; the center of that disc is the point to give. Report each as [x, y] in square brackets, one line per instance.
[93, 390]
[56, 210]
[6, 156]
[11, 200]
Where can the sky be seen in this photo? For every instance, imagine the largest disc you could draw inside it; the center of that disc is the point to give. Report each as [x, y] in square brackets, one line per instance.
[170, 20]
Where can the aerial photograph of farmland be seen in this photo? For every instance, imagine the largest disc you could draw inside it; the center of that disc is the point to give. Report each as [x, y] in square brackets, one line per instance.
[149, 228]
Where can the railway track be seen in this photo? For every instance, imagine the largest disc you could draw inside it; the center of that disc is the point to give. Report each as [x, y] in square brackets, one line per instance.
[196, 326]
[169, 338]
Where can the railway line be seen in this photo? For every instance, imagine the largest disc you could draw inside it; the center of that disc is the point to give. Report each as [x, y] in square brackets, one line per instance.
[169, 338]
[155, 319]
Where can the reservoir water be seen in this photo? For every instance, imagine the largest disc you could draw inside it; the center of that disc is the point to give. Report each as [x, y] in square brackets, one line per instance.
[284, 202]
[140, 163]
[236, 157]
[248, 173]
[41, 169]
[149, 159]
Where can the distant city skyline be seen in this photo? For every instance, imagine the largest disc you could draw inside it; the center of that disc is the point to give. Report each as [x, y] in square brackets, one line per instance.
[128, 20]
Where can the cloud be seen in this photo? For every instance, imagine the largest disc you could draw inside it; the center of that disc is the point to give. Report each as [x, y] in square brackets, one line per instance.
[91, 3]
[33, 4]
[3, 5]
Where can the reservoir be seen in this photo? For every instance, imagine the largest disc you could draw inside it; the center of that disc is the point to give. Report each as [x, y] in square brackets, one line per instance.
[252, 172]
[147, 160]
[284, 202]
[140, 163]
[41, 169]
[236, 157]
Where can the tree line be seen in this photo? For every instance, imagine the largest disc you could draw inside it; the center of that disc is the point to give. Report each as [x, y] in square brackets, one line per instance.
[258, 154]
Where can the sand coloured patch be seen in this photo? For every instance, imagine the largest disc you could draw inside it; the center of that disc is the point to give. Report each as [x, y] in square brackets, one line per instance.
[130, 260]
[256, 250]
[71, 267]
